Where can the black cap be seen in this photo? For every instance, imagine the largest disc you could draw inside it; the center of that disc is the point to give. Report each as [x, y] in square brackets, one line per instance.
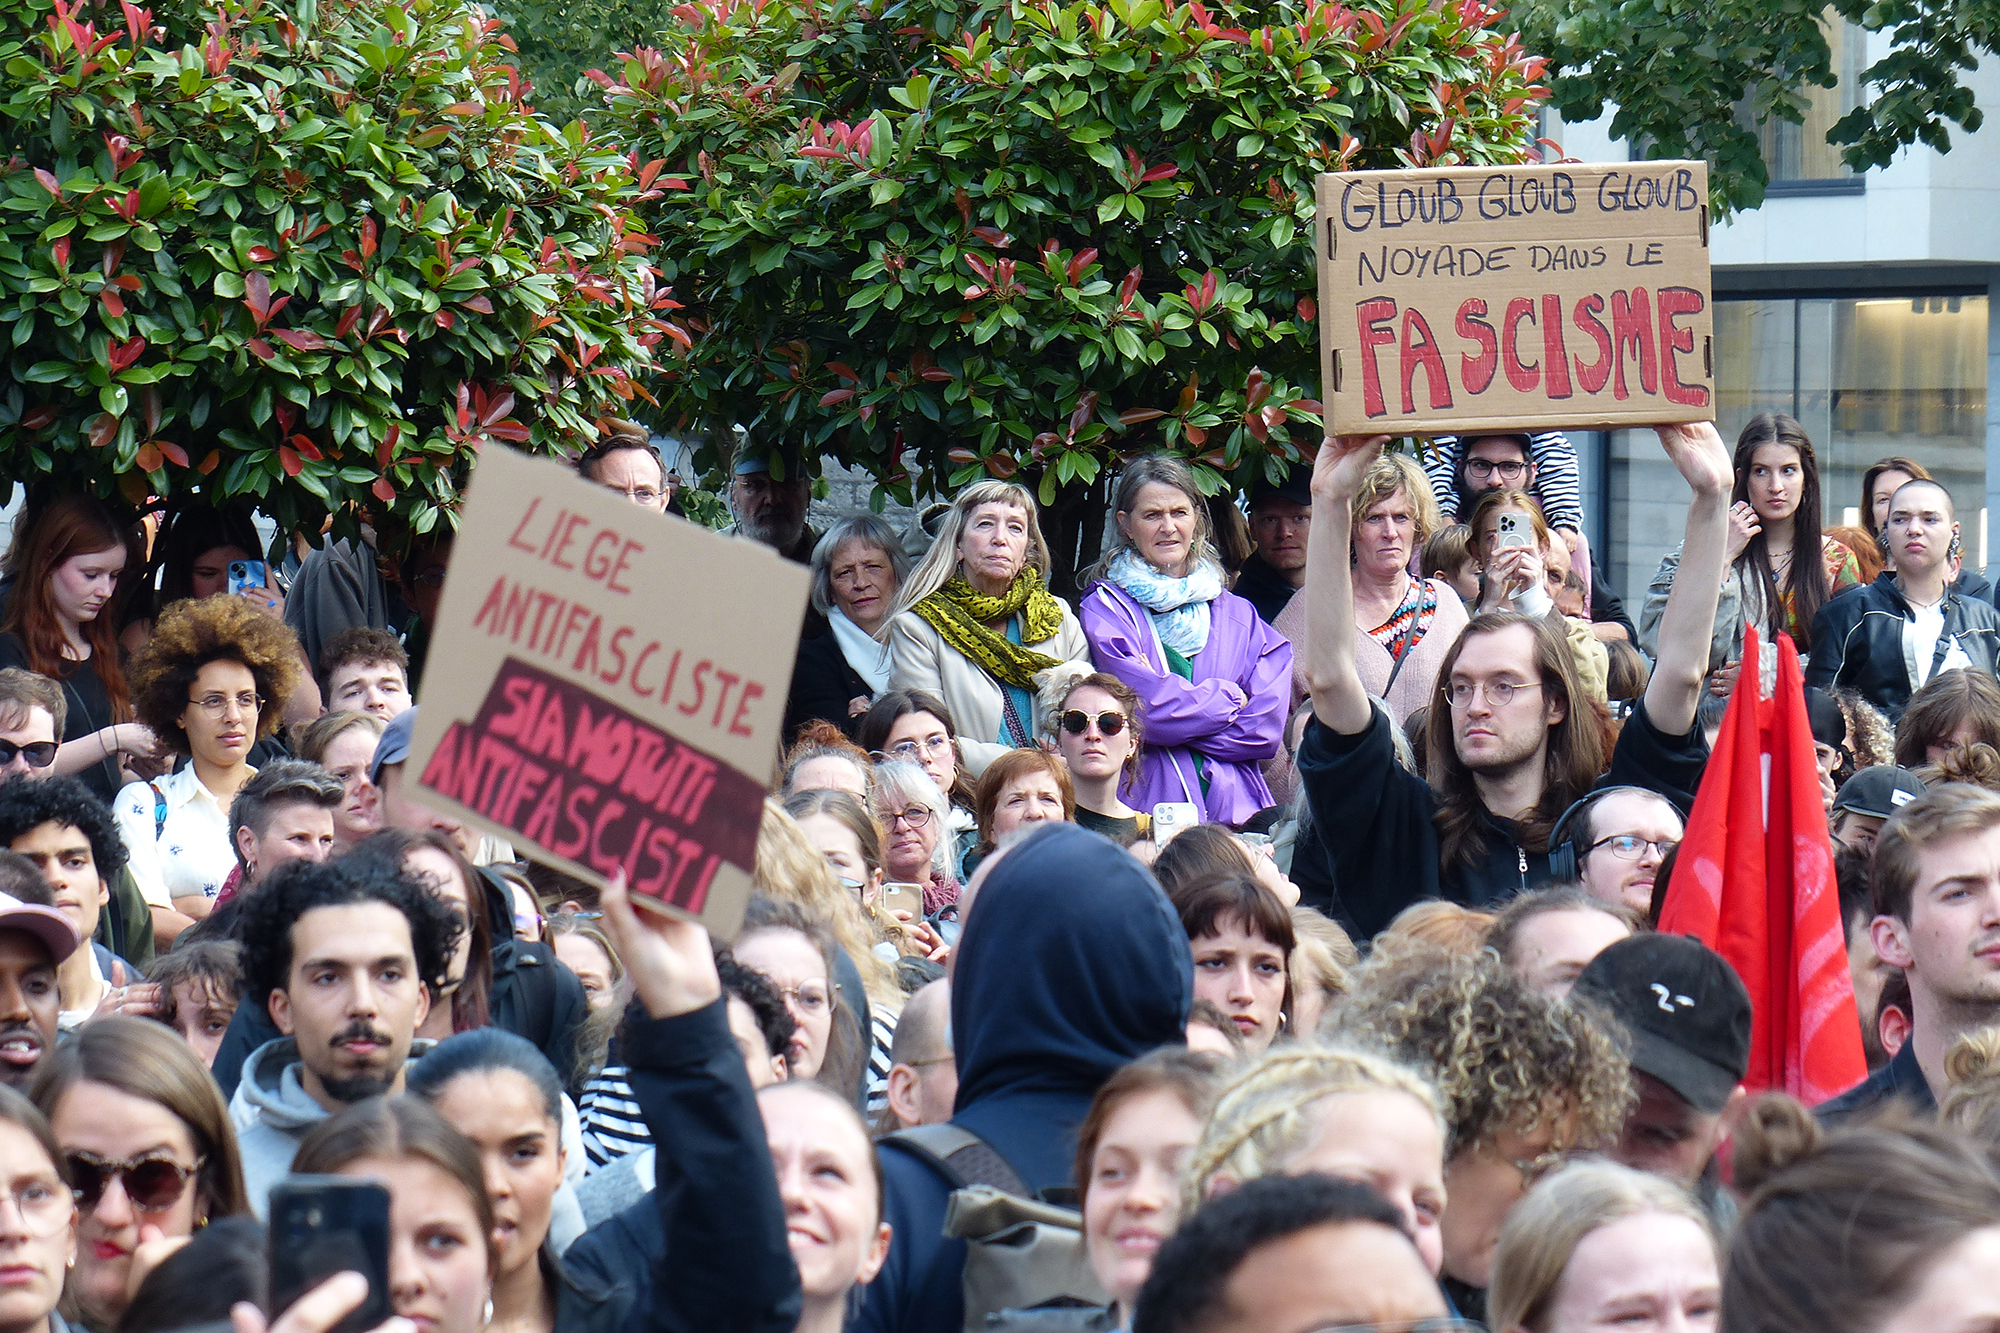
[1829, 724]
[1879, 791]
[1296, 487]
[1686, 1009]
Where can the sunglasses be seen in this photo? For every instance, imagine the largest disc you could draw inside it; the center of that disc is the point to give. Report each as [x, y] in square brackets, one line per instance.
[1076, 722]
[153, 1184]
[39, 754]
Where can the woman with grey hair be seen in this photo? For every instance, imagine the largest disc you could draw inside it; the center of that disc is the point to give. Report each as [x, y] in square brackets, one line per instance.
[916, 844]
[1213, 680]
[857, 569]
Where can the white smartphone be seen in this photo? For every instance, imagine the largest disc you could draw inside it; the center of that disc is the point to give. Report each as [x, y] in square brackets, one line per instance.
[1513, 531]
[1171, 818]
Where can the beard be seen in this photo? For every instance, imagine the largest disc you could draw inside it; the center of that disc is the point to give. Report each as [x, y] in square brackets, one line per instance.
[348, 1091]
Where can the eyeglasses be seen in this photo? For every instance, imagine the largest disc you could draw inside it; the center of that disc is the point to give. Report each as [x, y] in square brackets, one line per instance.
[429, 578]
[44, 1205]
[638, 495]
[1541, 1164]
[153, 1184]
[217, 705]
[1486, 467]
[1499, 693]
[1630, 847]
[912, 749]
[1076, 722]
[811, 999]
[39, 754]
[914, 817]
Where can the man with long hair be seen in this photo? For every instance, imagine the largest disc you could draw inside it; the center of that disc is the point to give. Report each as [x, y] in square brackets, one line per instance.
[1512, 739]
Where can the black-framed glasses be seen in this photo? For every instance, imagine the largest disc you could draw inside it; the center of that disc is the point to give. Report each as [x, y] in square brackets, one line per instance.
[1076, 722]
[1486, 467]
[153, 1184]
[39, 754]
[1632, 847]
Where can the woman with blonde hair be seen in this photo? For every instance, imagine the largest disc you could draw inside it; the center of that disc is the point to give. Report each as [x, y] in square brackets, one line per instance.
[1403, 625]
[1339, 1111]
[1213, 679]
[1598, 1244]
[976, 622]
[1322, 957]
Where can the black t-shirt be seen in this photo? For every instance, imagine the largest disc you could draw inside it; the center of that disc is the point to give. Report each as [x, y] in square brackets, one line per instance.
[89, 705]
[1124, 832]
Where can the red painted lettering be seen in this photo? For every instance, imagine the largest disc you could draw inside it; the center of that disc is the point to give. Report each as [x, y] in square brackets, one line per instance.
[1675, 302]
[1592, 375]
[1632, 326]
[1420, 350]
[1374, 316]
[1476, 372]
[1522, 377]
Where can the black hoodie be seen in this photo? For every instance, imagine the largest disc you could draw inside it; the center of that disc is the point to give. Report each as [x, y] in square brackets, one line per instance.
[1072, 965]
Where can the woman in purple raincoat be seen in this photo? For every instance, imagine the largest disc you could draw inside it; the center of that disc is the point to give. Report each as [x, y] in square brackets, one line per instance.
[1213, 679]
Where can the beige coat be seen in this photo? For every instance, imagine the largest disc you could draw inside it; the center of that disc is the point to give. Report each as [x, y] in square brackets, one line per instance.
[921, 660]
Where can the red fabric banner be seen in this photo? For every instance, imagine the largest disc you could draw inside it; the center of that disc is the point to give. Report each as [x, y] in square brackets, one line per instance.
[1754, 881]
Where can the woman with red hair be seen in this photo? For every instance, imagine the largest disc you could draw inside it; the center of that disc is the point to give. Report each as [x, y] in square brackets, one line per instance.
[67, 564]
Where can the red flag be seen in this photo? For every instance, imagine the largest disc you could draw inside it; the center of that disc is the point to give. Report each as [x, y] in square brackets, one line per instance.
[1754, 881]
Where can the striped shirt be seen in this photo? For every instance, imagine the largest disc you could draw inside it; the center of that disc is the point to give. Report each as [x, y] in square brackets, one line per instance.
[1558, 480]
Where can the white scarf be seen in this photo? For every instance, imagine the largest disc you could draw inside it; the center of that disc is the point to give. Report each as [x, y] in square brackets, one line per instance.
[869, 659]
[1179, 607]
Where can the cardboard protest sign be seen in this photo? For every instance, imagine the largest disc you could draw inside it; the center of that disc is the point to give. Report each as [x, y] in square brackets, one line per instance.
[606, 686]
[1472, 298]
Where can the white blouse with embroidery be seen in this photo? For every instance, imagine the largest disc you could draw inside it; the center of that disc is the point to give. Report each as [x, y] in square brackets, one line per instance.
[185, 855]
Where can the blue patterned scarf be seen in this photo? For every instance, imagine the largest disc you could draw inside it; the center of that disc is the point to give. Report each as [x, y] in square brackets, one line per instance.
[1179, 607]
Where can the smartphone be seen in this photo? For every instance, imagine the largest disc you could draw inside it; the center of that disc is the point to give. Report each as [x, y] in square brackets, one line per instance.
[245, 574]
[904, 898]
[1513, 531]
[1171, 818]
[323, 1225]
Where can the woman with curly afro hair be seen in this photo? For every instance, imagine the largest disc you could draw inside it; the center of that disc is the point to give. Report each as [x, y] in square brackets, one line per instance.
[211, 682]
[1525, 1081]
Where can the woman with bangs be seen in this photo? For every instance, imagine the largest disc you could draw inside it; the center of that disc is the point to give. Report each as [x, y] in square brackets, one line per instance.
[1242, 940]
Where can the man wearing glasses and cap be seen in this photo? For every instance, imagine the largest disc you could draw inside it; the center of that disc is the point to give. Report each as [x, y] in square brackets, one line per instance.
[1280, 517]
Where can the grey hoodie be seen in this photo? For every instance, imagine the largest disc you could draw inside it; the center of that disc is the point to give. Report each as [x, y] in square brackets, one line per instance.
[273, 1113]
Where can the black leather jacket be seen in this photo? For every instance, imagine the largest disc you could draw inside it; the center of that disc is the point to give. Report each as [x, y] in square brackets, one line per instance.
[1857, 642]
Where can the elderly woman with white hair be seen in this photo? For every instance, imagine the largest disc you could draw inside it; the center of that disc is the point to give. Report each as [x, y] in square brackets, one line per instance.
[916, 842]
[857, 569]
[976, 622]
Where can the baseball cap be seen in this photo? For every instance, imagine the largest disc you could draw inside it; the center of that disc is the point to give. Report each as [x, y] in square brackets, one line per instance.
[46, 924]
[394, 747]
[1687, 1011]
[1296, 486]
[1879, 791]
[1829, 724]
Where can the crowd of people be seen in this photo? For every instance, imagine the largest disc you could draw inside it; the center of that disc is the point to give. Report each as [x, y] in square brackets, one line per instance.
[1266, 941]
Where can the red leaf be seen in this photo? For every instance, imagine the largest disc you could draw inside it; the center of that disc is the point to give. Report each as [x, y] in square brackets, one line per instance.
[300, 340]
[480, 303]
[61, 249]
[289, 460]
[445, 319]
[1002, 466]
[498, 408]
[262, 350]
[103, 429]
[148, 458]
[257, 297]
[509, 430]
[1308, 309]
[48, 181]
[1079, 263]
[842, 369]
[835, 396]
[1160, 173]
[1197, 436]
[1139, 416]
[383, 491]
[367, 237]
[173, 451]
[261, 254]
[38, 418]
[306, 448]
[114, 304]
[210, 463]
[348, 319]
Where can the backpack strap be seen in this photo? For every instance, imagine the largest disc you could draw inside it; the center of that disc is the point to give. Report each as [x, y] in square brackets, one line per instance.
[159, 811]
[961, 1157]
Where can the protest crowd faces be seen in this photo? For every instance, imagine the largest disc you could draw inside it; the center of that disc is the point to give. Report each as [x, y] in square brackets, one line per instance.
[1294, 944]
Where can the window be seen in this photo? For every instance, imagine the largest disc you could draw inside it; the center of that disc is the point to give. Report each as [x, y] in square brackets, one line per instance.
[1798, 153]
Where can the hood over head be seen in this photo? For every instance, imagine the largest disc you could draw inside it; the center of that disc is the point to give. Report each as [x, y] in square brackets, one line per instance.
[1072, 965]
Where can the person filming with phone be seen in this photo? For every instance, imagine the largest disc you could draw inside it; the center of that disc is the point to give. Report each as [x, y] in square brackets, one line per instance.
[1513, 740]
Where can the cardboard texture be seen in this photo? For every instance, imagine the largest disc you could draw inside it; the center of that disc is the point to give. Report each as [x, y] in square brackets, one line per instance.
[606, 684]
[1528, 298]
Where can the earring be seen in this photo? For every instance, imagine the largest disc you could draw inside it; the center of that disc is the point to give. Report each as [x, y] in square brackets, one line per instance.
[489, 1311]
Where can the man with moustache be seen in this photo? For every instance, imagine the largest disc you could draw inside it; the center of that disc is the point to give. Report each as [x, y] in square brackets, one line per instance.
[342, 957]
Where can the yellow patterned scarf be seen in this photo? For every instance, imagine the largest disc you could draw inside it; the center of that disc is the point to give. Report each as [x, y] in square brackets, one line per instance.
[960, 614]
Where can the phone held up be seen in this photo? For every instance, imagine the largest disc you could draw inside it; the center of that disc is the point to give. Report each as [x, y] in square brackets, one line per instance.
[1512, 530]
[245, 574]
[323, 1225]
[1172, 818]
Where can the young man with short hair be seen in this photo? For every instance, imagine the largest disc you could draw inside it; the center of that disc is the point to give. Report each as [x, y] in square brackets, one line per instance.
[72, 840]
[624, 460]
[1289, 1252]
[1688, 1016]
[1513, 741]
[342, 959]
[1936, 886]
[1620, 839]
[1548, 936]
[365, 670]
[1887, 640]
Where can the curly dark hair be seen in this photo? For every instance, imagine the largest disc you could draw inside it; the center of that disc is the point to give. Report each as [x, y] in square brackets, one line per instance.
[187, 637]
[270, 913]
[1504, 1056]
[755, 989]
[28, 803]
